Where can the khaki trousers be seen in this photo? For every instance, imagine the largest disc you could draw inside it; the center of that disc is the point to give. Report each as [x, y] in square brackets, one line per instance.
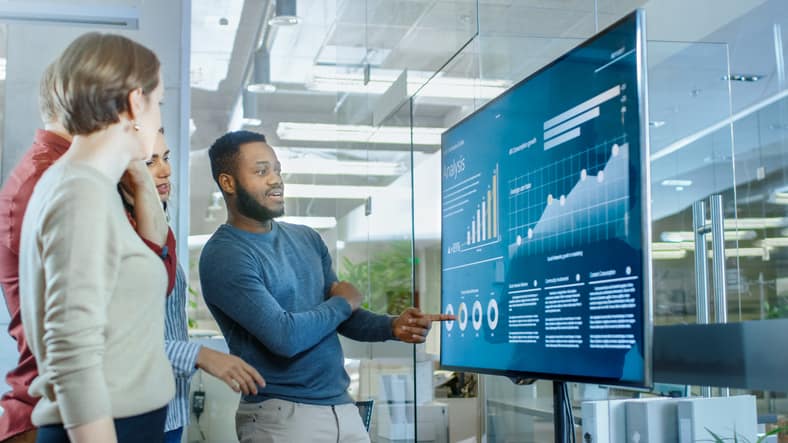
[281, 421]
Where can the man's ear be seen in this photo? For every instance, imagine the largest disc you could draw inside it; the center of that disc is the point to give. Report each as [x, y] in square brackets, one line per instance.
[227, 183]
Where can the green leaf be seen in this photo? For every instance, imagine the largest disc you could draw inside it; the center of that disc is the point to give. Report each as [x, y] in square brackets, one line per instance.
[774, 431]
[717, 438]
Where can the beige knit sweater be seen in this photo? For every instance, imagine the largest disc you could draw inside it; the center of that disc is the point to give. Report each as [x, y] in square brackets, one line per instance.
[92, 296]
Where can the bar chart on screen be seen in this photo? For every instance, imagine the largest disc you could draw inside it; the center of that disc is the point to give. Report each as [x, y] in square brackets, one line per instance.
[474, 201]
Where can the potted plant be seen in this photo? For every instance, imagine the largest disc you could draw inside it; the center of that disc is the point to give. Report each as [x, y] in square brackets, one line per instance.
[386, 278]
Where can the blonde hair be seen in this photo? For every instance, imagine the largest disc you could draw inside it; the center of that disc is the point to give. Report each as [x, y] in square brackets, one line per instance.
[94, 76]
[46, 90]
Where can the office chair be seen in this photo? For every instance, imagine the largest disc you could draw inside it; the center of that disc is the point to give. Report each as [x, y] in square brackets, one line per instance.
[365, 409]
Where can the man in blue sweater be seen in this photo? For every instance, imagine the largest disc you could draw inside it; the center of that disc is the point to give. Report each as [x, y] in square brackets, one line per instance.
[271, 288]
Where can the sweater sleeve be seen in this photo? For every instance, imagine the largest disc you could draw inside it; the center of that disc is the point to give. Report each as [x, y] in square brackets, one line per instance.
[231, 284]
[364, 325]
[80, 263]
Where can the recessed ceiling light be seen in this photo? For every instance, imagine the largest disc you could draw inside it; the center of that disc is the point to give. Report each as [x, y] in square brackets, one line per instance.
[656, 123]
[320, 166]
[261, 87]
[780, 195]
[669, 255]
[688, 237]
[285, 14]
[742, 77]
[325, 132]
[37, 13]
[676, 182]
[774, 242]
[284, 20]
[342, 192]
[252, 121]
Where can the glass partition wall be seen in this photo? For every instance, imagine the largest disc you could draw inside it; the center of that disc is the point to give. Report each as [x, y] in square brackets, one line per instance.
[356, 97]
[715, 130]
[364, 90]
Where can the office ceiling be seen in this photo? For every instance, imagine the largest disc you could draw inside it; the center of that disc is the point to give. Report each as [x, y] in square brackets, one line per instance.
[337, 38]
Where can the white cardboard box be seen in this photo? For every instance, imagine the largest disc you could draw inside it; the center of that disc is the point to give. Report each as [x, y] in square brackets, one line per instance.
[604, 421]
[724, 416]
[652, 420]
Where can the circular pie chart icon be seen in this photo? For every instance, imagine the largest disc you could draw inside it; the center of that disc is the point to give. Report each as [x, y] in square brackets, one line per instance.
[449, 324]
[477, 315]
[462, 317]
[492, 314]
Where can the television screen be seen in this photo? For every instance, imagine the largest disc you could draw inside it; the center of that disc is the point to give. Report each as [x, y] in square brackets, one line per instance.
[545, 222]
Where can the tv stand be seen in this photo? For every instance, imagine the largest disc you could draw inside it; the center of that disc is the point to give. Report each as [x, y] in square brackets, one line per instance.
[560, 420]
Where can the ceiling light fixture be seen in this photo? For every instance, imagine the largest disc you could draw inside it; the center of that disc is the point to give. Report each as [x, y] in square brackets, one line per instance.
[762, 252]
[326, 132]
[688, 236]
[669, 246]
[780, 195]
[754, 223]
[742, 77]
[250, 115]
[261, 74]
[285, 14]
[340, 192]
[669, 255]
[439, 87]
[676, 182]
[774, 242]
[93, 16]
[320, 166]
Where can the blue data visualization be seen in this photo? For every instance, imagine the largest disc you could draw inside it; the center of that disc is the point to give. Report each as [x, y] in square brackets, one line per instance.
[545, 222]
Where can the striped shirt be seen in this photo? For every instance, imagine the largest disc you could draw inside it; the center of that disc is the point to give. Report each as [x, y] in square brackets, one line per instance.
[182, 353]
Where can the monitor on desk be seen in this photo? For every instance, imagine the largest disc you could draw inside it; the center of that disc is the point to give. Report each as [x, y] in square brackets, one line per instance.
[545, 222]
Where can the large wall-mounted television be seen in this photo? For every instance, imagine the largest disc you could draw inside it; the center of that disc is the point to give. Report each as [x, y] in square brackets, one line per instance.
[545, 222]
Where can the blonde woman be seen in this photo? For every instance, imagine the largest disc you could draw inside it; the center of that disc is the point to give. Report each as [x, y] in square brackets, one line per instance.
[92, 293]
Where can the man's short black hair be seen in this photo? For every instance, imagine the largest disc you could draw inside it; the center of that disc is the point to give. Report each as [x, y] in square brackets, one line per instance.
[224, 151]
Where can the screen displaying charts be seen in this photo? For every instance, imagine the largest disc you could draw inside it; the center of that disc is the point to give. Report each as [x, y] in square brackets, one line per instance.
[545, 222]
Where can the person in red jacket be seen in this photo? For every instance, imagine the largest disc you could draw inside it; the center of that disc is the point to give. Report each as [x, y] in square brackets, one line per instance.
[49, 144]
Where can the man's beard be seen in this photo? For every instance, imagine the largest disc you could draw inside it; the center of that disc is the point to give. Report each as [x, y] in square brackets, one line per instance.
[249, 207]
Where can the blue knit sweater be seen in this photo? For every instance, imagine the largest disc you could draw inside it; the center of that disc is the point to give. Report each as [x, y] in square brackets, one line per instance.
[268, 294]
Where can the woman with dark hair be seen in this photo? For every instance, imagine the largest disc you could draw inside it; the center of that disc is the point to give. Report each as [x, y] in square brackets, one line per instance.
[186, 356]
[92, 292]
